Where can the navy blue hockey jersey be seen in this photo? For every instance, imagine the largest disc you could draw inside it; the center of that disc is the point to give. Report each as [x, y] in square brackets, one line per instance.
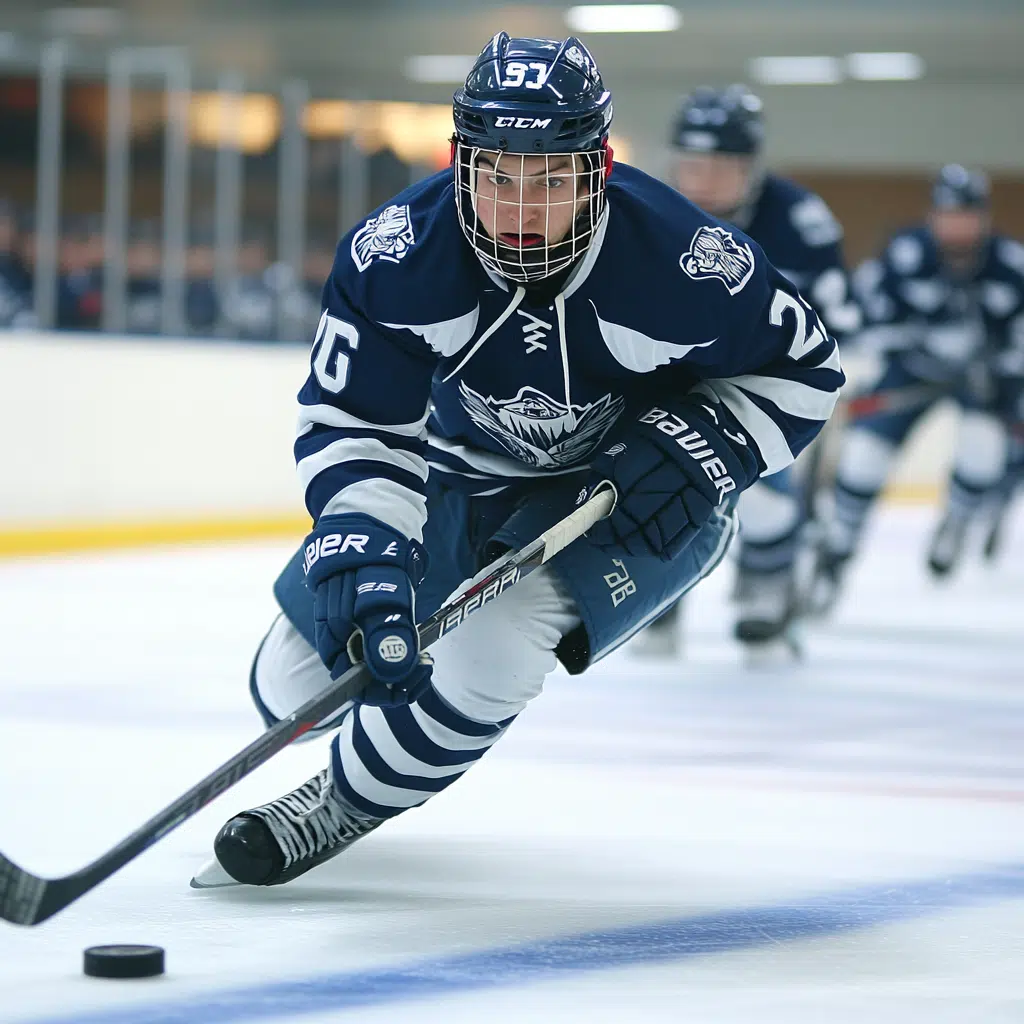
[426, 362]
[802, 238]
[939, 322]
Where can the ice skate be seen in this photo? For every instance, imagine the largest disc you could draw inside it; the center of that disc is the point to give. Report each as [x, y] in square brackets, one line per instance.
[996, 535]
[947, 546]
[273, 844]
[767, 617]
[660, 640]
[825, 583]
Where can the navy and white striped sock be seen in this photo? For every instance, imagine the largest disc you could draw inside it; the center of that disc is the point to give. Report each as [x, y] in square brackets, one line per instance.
[386, 760]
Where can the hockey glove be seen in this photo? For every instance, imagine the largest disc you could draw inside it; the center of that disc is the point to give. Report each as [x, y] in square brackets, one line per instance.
[364, 575]
[672, 467]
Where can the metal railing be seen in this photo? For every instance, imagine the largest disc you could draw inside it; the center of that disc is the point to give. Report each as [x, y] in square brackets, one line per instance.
[170, 68]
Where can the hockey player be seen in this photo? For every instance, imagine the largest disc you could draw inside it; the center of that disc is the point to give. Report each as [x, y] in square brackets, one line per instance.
[943, 306]
[717, 138]
[487, 335]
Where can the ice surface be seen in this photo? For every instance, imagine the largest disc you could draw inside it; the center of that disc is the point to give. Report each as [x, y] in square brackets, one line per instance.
[836, 842]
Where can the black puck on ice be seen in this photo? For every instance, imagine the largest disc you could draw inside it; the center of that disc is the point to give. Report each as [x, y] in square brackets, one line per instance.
[124, 961]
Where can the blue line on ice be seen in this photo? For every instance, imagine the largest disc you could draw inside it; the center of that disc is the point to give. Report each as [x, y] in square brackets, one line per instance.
[670, 940]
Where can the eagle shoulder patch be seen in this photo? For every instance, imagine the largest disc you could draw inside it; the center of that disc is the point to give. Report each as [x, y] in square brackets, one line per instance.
[388, 236]
[714, 253]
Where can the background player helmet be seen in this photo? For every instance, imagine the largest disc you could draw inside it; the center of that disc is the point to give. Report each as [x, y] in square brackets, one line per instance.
[957, 188]
[959, 217]
[717, 137]
[720, 121]
[526, 99]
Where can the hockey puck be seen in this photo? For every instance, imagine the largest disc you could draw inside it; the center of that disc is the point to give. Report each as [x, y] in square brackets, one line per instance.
[124, 961]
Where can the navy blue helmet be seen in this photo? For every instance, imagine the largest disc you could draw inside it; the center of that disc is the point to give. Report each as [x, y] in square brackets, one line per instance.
[957, 188]
[533, 96]
[720, 121]
[531, 155]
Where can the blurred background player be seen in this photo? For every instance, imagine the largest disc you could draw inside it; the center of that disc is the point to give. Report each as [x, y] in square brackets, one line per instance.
[15, 274]
[717, 137]
[942, 308]
[671, 360]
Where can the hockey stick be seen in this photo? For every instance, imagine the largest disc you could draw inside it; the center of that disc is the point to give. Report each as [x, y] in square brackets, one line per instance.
[28, 899]
[894, 400]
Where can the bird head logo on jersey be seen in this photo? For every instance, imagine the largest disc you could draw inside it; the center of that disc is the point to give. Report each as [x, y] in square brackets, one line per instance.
[531, 155]
[388, 236]
[539, 430]
[714, 253]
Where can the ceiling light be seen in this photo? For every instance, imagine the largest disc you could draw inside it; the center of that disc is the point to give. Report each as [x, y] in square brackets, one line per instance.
[623, 18]
[884, 67]
[250, 120]
[797, 70]
[439, 68]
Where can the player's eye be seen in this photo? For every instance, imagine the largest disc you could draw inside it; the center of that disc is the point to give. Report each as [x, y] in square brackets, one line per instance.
[499, 180]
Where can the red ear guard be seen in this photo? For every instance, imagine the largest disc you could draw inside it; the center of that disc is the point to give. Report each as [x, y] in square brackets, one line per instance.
[609, 155]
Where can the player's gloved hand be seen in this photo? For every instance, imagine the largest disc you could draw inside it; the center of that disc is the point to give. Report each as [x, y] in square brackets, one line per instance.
[364, 576]
[672, 466]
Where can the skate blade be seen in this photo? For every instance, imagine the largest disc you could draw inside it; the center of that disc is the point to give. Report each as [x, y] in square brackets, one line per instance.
[776, 653]
[212, 876]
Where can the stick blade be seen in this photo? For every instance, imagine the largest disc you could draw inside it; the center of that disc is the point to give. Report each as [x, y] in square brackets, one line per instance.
[21, 894]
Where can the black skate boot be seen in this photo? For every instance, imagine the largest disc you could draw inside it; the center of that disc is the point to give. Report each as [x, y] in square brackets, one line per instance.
[273, 844]
[997, 527]
[767, 615]
[827, 579]
[947, 545]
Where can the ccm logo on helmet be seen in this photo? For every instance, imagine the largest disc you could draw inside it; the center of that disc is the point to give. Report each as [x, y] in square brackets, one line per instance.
[522, 122]
[694, 444]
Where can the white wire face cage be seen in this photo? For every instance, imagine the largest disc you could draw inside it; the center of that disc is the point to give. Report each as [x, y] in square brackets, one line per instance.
[528, 216]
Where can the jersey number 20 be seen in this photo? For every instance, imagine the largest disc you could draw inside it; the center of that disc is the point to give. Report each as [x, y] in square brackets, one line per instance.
[804, 340]
[336, 339]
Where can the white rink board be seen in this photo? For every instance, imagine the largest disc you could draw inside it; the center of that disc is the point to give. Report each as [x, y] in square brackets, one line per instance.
[838, 843]
[123, 428]
[120, 428]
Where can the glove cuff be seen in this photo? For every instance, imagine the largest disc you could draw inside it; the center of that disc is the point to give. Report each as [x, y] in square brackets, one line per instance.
[351, 541]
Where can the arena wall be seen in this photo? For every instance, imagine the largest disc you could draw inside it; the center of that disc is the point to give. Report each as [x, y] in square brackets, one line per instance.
[117, 441]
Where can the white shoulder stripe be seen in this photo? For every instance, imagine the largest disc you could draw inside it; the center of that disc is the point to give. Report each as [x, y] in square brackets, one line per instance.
[638, 352]
[790, 396]
[448, 336]
[403, 509]
[349, 449]
[762, 429]
[328, 416]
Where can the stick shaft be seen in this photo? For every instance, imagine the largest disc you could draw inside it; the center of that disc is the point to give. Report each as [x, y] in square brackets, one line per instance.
[27, 899]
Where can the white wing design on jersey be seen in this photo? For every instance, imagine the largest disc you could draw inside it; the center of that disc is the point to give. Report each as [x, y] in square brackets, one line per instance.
[539, 430]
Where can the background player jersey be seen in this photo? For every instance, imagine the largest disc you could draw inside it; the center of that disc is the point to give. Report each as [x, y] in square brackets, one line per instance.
[802, 238]
[939, 322]
[425, 362]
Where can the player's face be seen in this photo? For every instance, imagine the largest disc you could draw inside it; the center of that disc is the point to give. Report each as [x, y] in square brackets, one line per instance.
[528, 201]
[716, 182]
[959, 231]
